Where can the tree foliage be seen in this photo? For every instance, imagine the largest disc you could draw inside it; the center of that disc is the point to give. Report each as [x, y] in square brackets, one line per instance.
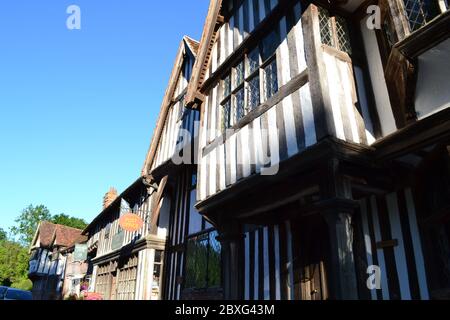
[28, 222]
[68, 221]
[3, 235]
[14, 257]
[30, 218]
[23, 284]
[13, 262]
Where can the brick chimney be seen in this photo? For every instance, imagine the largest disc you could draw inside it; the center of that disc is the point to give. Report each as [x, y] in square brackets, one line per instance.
[109, 197]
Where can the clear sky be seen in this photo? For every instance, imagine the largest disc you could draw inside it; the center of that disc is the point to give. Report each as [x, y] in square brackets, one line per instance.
[78, 107]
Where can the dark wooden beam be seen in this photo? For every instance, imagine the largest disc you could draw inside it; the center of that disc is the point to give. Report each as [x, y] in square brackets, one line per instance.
[416, 136]
[156, 208]
[387, 244]
[293, 85]
[306, 161]
[426, 37]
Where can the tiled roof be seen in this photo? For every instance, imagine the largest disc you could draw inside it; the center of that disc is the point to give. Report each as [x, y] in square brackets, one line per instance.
[51, 234]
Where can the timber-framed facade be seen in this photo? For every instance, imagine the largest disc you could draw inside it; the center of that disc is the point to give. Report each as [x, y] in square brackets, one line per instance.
[315, 151]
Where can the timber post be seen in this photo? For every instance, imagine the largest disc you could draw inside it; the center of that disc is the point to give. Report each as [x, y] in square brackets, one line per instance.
[231, 240]
[343, 278]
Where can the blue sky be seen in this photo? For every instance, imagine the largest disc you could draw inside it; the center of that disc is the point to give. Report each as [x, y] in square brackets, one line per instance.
[78, 107]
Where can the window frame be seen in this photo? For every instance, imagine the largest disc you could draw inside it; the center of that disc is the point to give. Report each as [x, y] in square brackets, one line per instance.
[248, 75]
[207, 233]
[332, 23]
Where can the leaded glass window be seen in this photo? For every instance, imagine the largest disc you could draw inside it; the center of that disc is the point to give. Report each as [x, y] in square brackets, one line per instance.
[126, 283]
[226, 103]
[226, 115]
[203, 261]
[197, 262]
[239, 104]
[252, 80]
[419, 12]
[342, 35]
[334, 31]
[253, 93]
[226, 86]
[239, 74]
[270, 79]
[214, 261]
[270, 44]
[325, 27]
[253, 60]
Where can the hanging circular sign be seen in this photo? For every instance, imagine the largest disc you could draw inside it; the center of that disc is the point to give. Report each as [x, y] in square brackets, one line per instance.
[131, 222]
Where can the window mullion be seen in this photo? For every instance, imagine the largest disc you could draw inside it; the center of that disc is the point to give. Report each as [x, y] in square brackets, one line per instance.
[334, 33]
[262, 79]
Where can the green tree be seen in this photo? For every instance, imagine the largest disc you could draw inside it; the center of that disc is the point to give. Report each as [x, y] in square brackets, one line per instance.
[23, 284]
[3, 235]
[13, 262]
[66, 220]
[28, 222]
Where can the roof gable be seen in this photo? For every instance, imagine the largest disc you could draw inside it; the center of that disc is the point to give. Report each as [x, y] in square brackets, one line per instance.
[188, 48]
[49, 234]
[212, 23]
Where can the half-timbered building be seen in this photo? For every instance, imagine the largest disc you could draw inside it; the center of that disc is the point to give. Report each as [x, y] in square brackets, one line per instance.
[193, 253]
[301, 152]
[48, 259]
[148, 264]
[127, 265]
[323, 154]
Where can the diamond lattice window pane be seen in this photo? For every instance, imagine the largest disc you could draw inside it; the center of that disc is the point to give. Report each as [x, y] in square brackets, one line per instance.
[325, 27]
[253, 93]
[239, 74]
[415, 13]
[419, 12]
[270, 44]
[343, 35]
[226, 112]
[253, 61]
[239, 105]
[270, 79]
[226, 86]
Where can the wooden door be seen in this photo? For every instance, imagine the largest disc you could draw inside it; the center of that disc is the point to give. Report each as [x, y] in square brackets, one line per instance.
[311, 254]
[113, 286]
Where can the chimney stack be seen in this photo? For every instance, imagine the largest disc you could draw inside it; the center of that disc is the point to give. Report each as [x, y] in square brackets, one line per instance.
[109, 197]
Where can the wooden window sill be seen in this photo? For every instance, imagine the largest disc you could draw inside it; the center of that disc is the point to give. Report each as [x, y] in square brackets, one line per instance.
[426, 37]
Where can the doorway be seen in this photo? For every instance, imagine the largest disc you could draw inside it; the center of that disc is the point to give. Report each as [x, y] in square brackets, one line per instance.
[310, 258]
[113, 285]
